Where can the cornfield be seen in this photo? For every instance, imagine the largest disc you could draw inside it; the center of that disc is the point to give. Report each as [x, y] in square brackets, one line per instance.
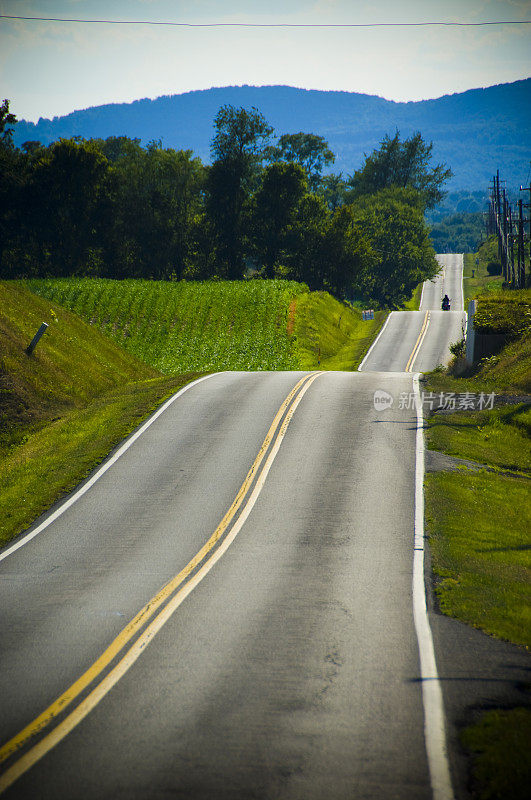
[187, 326]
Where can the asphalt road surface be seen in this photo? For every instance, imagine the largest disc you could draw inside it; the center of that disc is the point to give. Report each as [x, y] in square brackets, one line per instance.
[227, 610]
[417, 341]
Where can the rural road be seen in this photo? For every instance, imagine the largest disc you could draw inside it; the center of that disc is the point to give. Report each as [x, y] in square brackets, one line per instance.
[144, 657]
[417, 341]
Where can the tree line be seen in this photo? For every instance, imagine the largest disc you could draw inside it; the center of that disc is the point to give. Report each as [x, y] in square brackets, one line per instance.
[263, 208]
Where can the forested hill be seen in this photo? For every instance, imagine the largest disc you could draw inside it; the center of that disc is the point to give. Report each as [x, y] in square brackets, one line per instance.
[474, 132]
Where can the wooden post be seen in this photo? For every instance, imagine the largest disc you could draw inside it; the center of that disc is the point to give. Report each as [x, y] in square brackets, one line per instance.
[33, 344]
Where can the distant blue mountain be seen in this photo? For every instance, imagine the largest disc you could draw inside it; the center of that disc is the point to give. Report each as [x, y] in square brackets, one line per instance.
[474, 132]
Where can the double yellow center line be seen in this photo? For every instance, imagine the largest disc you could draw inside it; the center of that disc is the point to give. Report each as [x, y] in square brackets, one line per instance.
[132, 640]
[418, 343]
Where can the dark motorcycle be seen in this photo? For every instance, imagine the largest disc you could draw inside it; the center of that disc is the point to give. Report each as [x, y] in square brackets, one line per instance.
[446, 303]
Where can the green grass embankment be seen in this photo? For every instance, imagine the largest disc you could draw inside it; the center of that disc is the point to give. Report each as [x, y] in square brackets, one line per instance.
[500, 743]
[414, 303]
[332, 335]
[63, 408]
[476, 277]
[506, 312]
[484, 573]
[478, 521]
[72, 364]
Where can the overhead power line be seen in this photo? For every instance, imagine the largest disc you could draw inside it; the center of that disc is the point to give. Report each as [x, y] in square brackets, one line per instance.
[272, 24]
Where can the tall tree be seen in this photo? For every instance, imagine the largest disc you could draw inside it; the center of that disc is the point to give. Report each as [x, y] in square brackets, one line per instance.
[62, 198]
[334, 190]
[347, 255]
[307, 149]
[237, 150]
[399, 236]
[328, 250]
[10, 177]
[273, 210]
[156, 194]
[240, 134]
[305, 242]
[402, 164]
[7, 120]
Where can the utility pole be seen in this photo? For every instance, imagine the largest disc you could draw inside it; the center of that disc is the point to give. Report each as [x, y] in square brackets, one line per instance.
[510, 246]
[491, 219]
[528, 206]
[521, 251]
[509, 224]
[505, 253]
[499, 229]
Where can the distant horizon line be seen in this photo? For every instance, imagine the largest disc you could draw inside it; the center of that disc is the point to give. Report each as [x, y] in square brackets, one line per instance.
[266, 86]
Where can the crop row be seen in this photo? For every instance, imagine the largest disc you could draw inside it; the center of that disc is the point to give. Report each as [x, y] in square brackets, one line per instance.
[187, 326]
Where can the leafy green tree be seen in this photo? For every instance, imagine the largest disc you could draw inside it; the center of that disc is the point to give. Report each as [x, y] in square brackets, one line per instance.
[117, 148]
[273, 210]
[399, 236]
[7, 121]
[304, 242]
[334, 190]
[240, 134]
[237, 150]
[156, 194]
[326, 250]
[403, 164]
[307, 149]
[61, 197]
[347, 257]
[11, 179]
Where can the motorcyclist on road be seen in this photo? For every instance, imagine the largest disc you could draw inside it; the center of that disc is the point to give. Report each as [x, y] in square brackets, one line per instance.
[446, 302]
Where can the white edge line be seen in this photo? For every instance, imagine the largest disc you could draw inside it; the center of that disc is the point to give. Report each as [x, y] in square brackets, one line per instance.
[104, 467]
[463, 292]
[434, 721]
[462, 284]
[369, 351]
[422, 295]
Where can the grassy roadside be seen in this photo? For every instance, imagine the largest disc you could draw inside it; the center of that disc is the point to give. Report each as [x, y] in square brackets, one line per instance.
[54, 459]
[414, 303]
[482, 282]
[483, 565]
[63, 408]
[72, 364]
[478, 522]
[501, 739]
[483, 574]
[497, 437]
[332, 335]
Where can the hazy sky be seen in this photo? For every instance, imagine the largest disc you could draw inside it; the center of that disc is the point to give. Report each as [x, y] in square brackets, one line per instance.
[52, 68]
